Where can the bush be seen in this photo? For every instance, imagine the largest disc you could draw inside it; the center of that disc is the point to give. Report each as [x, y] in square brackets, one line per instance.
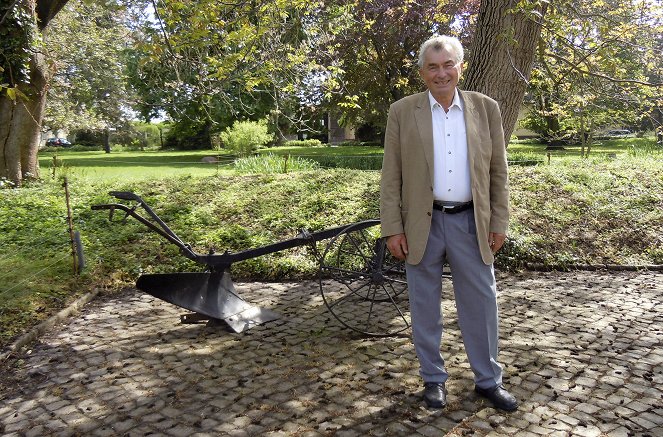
[187, 136]
[89, 137]
[525, 158]
[350, 162]
[134, 136]
[303, 143]
[359, 143]
[245, 137]
[269, 164]
[369, 132]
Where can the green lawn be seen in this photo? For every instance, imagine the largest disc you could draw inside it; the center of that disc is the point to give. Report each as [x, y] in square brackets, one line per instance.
[598, 149]
[140, 165]
[337, 151]
[133, 165]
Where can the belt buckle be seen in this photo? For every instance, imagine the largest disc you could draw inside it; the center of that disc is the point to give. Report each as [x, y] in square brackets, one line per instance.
[447, 209]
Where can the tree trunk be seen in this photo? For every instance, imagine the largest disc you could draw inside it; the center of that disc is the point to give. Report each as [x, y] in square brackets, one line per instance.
[20, 120]
[10, 151]
[107, 135]
[502, 53]
[33, 111]
[20, 127]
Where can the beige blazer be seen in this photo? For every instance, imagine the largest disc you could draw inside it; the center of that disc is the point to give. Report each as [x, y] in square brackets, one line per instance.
[406, 187]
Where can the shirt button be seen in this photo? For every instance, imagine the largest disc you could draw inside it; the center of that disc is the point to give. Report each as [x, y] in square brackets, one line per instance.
[449, 171]
[449, 152]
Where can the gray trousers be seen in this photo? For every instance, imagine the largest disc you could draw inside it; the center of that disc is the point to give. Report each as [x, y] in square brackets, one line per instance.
[453, 238]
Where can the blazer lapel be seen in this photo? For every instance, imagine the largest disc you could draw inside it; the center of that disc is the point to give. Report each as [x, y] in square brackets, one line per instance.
[424, 120]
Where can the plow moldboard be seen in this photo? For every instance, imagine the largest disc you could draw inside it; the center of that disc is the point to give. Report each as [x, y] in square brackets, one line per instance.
[210, 294]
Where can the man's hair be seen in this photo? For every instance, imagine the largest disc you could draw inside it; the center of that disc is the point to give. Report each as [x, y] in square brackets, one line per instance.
[438, 43]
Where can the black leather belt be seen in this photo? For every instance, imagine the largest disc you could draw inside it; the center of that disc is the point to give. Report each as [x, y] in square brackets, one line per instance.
[452, 209]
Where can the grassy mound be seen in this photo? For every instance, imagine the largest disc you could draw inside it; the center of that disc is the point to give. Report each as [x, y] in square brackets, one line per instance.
[592, 211]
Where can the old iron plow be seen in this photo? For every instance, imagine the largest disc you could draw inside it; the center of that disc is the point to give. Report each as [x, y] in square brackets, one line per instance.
[361, 284]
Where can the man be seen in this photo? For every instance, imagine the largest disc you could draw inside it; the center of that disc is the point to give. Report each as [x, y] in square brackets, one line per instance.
[444, 196]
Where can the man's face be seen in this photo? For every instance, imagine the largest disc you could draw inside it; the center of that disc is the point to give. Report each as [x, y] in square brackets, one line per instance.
[441, 73]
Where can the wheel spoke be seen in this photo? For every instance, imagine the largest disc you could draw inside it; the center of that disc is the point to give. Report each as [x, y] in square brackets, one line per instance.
[370, 283]
[400, 313]
[349, 295]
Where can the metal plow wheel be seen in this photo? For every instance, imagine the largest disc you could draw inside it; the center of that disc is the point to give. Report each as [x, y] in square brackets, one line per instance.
[362, 285]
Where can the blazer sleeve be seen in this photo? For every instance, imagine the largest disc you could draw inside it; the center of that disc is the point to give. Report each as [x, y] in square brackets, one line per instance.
[391, 180]
[499, 180]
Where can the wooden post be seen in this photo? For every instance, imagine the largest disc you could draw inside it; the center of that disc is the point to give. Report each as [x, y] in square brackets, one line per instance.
[70, 224]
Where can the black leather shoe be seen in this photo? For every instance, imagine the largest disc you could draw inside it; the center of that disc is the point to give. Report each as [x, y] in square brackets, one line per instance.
[435, 394]
[500, 398]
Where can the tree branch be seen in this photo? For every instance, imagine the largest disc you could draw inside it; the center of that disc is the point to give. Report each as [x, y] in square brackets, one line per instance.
[602, 76]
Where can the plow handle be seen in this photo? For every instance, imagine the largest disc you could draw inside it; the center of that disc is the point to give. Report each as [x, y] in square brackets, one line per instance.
[162, 229]
[126, 195]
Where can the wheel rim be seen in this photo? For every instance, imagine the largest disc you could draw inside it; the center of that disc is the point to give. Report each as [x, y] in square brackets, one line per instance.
[362, 285]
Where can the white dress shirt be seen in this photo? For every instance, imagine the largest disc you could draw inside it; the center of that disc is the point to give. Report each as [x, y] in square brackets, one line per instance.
[451, 166]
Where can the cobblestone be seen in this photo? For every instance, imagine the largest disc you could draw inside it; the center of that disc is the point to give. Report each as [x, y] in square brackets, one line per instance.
[581, 350]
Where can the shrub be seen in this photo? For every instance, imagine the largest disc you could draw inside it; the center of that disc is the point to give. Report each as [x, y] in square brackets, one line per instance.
[89, 137]
[359, 143]
[185, 135]
[350, 162]
[303, 143]
[270, 163]
[525, 158]
[245, 137]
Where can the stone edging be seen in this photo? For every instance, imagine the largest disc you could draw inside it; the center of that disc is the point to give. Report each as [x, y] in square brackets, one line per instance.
[47, 324]
[592, 267]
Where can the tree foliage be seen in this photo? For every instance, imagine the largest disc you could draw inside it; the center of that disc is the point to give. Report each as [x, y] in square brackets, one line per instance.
[207, 63]
[369, 49]
[598, 66]
[88, 89]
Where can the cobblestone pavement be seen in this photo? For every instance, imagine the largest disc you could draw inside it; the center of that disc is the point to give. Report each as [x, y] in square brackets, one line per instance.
[582, 351]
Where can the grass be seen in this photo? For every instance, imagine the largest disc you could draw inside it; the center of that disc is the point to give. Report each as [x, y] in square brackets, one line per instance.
[342, 156]
[599, 148]
[272, 163]
[134, 165]
[572, 211]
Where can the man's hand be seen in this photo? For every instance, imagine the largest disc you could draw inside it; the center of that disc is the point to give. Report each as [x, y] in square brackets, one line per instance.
[496, 241]
[397, 245]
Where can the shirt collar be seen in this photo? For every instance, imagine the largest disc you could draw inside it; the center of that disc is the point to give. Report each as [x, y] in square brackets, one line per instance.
[457, 101]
